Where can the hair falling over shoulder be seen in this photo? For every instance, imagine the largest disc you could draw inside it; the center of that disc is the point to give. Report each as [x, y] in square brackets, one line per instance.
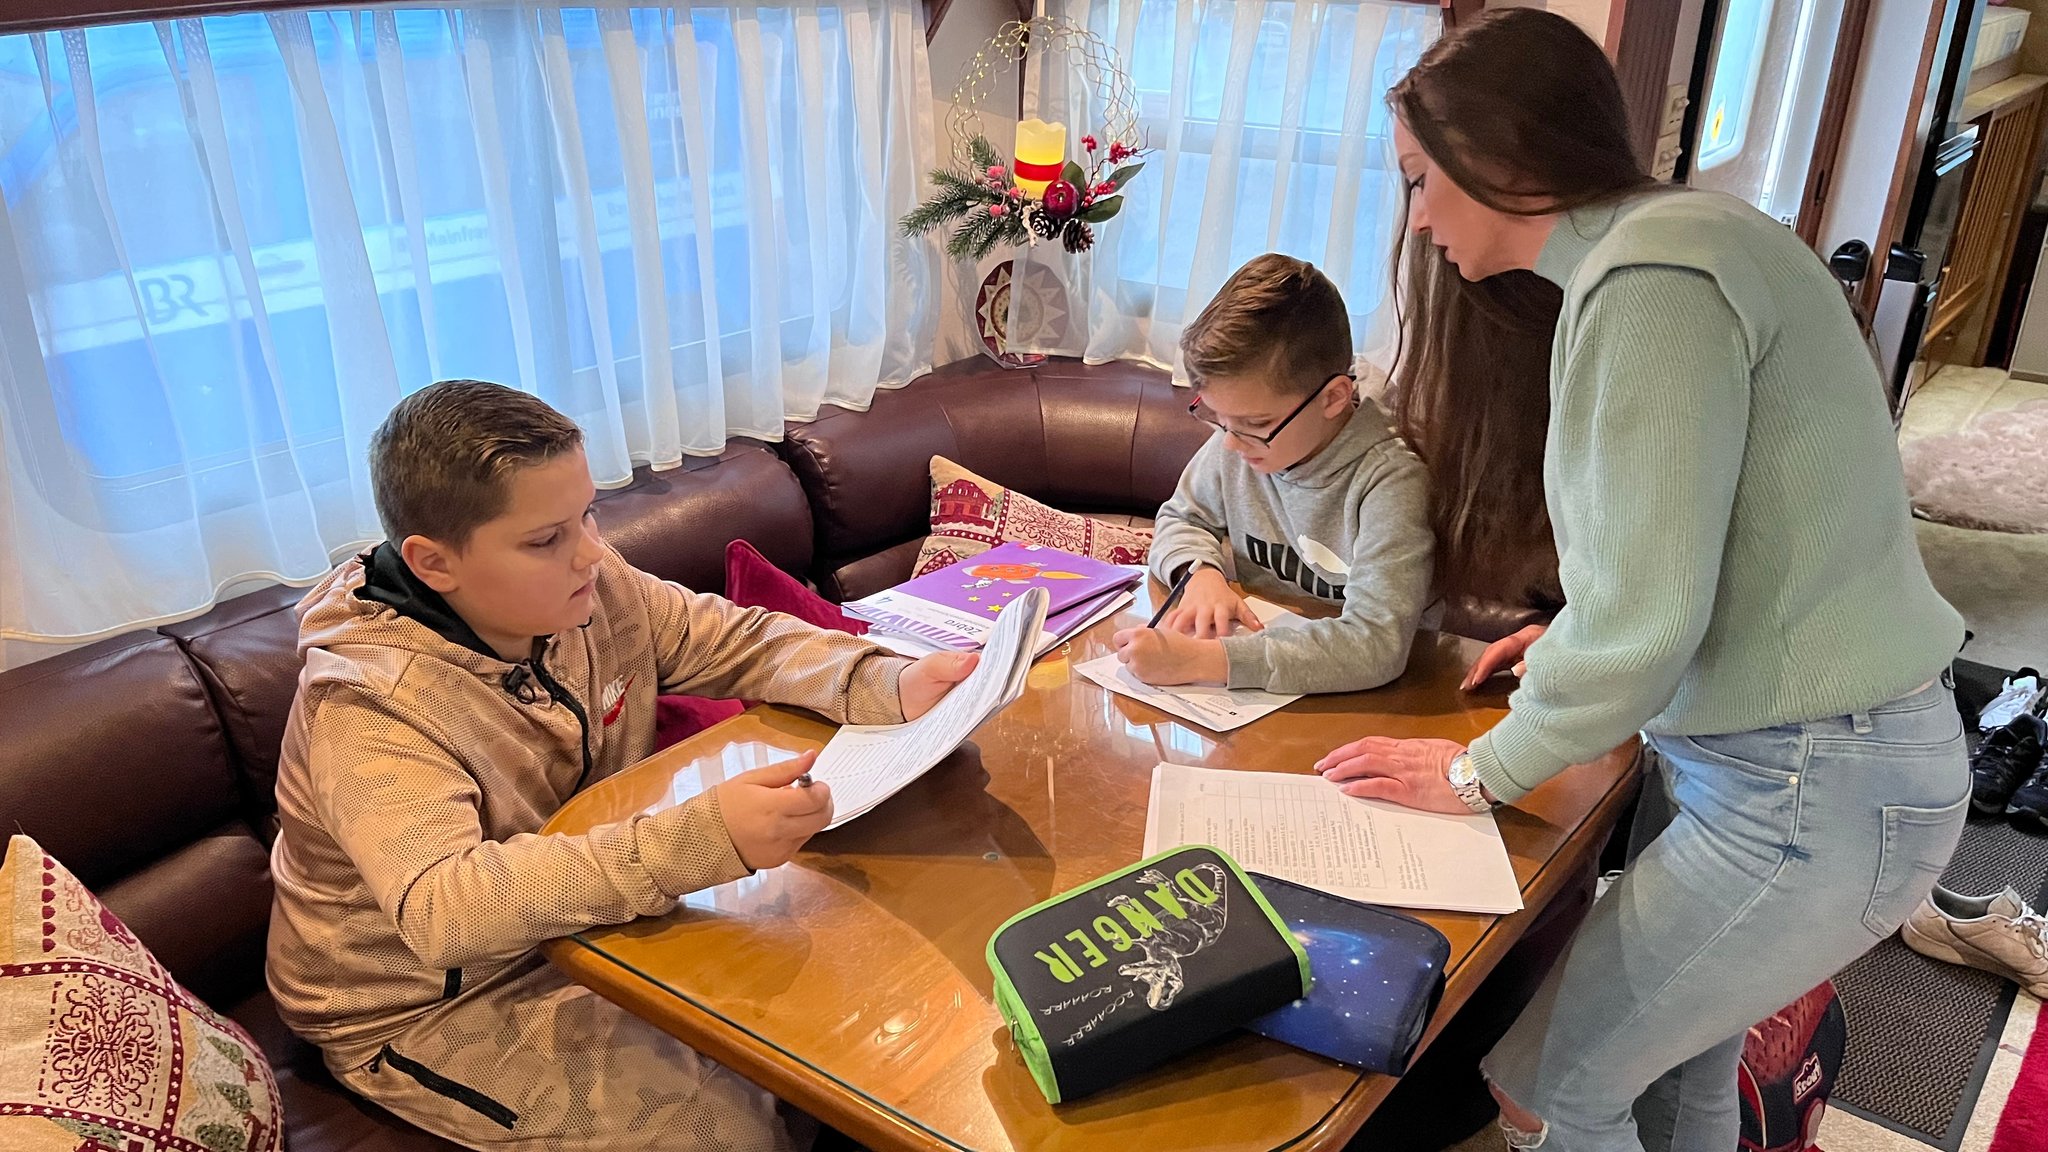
[1470, 391]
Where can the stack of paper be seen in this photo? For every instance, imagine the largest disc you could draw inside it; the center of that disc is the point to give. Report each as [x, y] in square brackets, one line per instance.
[956, 606]
[1303, 828]
[1214, 708]
[867, 764]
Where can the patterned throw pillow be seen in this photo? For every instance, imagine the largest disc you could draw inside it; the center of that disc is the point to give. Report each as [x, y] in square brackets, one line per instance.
[100, 1050]
[971, 515]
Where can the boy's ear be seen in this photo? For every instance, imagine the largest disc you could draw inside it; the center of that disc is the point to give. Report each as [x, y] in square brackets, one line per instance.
[1340, 396]
[431, 561]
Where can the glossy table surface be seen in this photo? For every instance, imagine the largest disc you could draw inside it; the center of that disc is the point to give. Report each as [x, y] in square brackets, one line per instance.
[852, 981]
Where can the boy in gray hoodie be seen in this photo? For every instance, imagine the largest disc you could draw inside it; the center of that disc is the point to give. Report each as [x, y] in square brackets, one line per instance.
[1304, 493]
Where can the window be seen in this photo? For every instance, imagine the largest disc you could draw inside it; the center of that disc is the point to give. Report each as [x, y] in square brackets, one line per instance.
[1270, 132]
[228, 244]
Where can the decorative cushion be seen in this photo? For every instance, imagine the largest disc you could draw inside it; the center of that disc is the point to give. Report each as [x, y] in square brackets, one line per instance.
[751, 581]
[971, 515]
[100, 1050]
[677, 718]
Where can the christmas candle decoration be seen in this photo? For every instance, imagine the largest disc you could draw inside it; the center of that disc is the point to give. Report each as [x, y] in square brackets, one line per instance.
[985, 202]
[1041, 152]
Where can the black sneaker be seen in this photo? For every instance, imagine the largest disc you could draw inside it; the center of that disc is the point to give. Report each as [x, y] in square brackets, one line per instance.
[2004, 760]
[2029, 806]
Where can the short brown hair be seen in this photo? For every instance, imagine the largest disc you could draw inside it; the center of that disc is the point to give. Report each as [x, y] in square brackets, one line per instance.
[1278, 316]
[438, 463]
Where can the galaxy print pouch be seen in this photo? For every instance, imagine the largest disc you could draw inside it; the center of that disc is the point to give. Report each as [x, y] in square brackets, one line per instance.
[1379, 975]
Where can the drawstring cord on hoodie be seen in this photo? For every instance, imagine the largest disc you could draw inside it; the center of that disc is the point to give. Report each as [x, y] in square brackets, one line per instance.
[527, 680]
[518, 683]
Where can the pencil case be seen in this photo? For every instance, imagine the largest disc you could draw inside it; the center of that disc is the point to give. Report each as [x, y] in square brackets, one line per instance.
[1383, 974]
[1128, 971]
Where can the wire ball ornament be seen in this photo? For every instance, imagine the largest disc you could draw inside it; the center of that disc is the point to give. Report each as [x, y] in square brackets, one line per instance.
[1042, 36]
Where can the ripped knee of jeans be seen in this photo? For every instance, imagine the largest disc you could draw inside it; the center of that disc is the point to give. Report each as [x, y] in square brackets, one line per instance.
[1521, 1128]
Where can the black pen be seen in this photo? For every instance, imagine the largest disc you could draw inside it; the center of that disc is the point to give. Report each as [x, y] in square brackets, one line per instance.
[804, 781]
[1166, 605]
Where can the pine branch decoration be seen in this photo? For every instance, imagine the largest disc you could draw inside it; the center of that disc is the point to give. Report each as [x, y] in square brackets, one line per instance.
[983, 153]
[986, 208]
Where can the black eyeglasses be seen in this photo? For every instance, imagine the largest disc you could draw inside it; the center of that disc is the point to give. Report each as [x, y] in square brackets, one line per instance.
[1200, 412]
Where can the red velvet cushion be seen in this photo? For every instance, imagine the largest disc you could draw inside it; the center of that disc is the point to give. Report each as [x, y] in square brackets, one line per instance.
[751, 581]
[677, 718]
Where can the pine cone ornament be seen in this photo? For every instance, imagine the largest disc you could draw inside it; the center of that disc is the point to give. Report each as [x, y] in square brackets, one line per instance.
[1078, 236]
[1042, 224]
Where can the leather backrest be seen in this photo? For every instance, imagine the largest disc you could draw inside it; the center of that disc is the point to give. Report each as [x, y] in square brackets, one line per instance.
[676, 523]
[116, 763]
[113, 756]
[1109, 438]
[246, 653]
[1117, 436]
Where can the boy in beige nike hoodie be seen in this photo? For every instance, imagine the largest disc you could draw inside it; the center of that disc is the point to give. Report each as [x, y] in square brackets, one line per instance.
[462, 681]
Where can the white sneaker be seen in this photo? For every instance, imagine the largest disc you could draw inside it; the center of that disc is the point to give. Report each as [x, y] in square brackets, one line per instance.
[2022, 691]
[1997, 933]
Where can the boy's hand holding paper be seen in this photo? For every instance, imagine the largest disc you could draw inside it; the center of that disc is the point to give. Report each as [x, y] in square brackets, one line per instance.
[867, 764]
[926, 681]
[1216, 708]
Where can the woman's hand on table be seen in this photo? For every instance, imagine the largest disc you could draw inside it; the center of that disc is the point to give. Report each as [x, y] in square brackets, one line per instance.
[1504, 654]
[1411, 773]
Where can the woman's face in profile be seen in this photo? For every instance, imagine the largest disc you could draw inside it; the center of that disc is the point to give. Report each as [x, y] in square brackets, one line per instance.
[1478, 240]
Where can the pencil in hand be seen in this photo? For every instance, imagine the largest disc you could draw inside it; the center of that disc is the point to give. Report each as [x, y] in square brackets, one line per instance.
[1172, 596]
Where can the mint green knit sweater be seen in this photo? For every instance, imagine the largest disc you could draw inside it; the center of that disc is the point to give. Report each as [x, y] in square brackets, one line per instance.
[1732, 528]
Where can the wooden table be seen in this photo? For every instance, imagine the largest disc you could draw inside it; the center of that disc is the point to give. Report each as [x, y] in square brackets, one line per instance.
[851, 982]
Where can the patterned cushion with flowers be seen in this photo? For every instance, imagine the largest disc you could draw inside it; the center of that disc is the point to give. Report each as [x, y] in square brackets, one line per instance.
[100, 1050]
[971, 515]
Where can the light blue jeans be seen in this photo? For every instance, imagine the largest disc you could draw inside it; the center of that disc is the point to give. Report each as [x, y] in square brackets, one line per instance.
[1764, 862]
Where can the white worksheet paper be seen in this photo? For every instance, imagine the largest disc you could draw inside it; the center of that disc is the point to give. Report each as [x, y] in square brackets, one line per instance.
[1217, 709]
[867, 764]
[1302, 828]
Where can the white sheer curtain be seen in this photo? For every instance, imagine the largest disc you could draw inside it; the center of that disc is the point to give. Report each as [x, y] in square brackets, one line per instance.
[1269, 125]
[229, 244]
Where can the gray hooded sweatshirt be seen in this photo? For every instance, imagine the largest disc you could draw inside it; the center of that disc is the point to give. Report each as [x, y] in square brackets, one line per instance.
[1348, 527]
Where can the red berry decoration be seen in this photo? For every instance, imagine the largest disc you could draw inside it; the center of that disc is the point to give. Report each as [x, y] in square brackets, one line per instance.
[1088, 142]
[1061, 199]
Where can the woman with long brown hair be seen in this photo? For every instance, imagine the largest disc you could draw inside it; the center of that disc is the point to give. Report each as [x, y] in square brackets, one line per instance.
[1741, 585]
[1469, 390]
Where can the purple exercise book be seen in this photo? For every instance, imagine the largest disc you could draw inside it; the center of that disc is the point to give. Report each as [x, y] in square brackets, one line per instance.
[984, 584]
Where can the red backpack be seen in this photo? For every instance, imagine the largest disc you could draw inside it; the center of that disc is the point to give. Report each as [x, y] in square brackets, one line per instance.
[1788, 1069]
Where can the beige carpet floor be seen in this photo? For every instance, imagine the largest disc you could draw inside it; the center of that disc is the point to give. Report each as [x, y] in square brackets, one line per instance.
[1997, 580]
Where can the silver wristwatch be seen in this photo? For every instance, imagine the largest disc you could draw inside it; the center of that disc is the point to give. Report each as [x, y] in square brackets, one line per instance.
[1465, 782]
